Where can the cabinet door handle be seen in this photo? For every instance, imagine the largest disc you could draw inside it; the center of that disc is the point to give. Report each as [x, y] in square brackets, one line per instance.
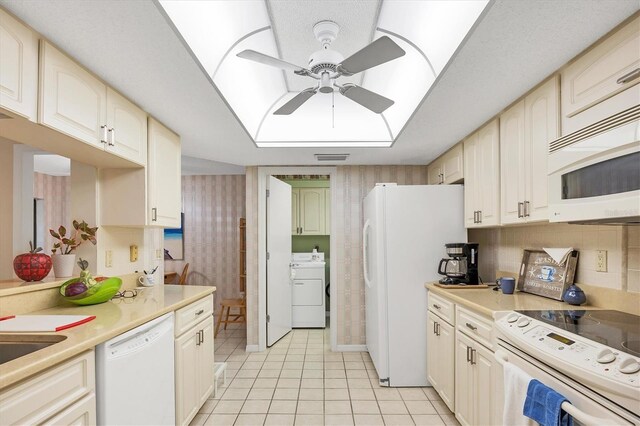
[629, 76]
[475, 216]
[479, 216]
[112, 137]
[154, 214]
[104, 134]
[434, 328]
[526, 209]
[468, 354]
[520, 205]
[438, 329]
[472, 327]
[438, 307]
[198, 338]
[473, 356]
[202, 336]
[199, 312]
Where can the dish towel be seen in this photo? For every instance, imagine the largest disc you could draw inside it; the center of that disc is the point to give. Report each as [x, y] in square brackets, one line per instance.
[560, 255]
[544, 405]
[515, 392]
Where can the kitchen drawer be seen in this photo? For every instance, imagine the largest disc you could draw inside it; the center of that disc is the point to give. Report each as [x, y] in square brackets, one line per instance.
[37, 399]
[475, 326]
[81, 413]
[192, 314]
[442, 307]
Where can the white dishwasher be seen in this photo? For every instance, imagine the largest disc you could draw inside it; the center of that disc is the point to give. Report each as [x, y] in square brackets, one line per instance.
[135, 376]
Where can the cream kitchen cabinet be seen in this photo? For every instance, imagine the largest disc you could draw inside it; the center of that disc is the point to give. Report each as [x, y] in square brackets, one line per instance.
[604, 80]
[194, 358]
[474, 383]
[440, 358]
[482, 177]
[448, 168]
[308, 211]
[63, 394]
[18, 67]
[75, 102]
[163, 176]
[525, 132]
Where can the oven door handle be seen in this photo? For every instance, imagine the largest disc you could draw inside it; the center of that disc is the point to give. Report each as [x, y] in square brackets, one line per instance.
[588, 420]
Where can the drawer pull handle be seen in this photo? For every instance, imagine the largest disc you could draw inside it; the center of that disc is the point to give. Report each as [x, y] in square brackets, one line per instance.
[438, 307]
[200, 312]
[472, 327]
[629, 76]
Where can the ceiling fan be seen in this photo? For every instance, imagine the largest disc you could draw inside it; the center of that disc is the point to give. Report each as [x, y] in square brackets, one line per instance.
[327, 65]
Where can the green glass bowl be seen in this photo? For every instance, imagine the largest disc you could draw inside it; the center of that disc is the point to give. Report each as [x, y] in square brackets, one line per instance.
[99, 293]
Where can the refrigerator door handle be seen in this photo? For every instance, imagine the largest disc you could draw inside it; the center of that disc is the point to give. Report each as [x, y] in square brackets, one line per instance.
[365, 259]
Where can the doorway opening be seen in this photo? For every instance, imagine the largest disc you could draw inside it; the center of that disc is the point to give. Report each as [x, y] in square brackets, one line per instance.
[309, 267]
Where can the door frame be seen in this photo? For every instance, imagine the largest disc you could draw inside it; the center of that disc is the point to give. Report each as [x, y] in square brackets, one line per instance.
[263, 173]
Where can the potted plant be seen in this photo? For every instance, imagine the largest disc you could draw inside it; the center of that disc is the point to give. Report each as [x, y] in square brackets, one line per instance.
[64, 261]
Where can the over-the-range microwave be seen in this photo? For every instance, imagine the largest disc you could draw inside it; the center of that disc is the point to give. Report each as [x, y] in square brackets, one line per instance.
[594, 173]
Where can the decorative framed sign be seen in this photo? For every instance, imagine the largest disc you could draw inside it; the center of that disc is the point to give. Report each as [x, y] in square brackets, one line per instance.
[541, 275]
[174, 241]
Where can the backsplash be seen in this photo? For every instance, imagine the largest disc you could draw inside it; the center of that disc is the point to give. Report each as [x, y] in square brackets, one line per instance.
[501, 250]
[213, 206]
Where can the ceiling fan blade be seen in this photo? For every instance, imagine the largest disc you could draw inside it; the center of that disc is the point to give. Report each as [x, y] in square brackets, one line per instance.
[252, 55]
[366, 98]
[295, 102]
[380, 51]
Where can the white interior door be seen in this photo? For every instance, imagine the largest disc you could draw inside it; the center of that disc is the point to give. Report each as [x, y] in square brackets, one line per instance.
[278, 260]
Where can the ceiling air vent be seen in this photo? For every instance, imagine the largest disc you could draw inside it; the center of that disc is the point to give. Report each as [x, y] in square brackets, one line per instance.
[331, 157]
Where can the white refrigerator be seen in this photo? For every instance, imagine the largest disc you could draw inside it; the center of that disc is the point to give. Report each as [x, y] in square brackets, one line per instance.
[405, 230]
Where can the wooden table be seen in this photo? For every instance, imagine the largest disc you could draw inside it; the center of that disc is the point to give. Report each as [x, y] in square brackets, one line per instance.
[170, 277]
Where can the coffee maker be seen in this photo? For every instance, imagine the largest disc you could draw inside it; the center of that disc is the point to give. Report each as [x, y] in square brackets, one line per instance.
[462, 265]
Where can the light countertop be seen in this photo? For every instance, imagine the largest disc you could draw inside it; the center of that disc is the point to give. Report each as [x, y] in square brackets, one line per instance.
[112, 318]
[487, 302]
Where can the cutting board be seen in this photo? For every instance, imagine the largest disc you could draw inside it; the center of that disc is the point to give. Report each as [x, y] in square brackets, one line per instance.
[41, 323]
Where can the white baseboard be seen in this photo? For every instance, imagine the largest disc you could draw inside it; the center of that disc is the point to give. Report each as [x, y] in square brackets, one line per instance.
[252, 348]
[351, 348]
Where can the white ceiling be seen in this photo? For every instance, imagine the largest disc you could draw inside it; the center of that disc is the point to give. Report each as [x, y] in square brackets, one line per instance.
[130, 45]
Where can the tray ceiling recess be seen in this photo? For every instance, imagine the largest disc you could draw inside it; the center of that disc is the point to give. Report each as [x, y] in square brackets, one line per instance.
[323, 74]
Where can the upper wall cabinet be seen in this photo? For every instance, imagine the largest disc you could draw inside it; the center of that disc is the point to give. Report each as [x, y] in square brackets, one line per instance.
[75, 102]
[126, 128]
[18, 67]
[309, 207]
[603, 81]
[164, 176]
[448, 168]
[482, 177]
[525, 132]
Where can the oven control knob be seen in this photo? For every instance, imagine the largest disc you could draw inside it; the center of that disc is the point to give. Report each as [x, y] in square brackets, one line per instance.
[523, 322]
[628, 365]
[512, 318]
[605, 356]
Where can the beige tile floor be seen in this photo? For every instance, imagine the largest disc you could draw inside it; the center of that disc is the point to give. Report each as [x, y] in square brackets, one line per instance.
[300, 381]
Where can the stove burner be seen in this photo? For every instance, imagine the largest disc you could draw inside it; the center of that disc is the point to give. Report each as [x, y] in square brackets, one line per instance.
[569, 317]
[633, 346]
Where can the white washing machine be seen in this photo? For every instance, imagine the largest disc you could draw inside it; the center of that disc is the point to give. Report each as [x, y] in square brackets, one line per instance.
[307, 293]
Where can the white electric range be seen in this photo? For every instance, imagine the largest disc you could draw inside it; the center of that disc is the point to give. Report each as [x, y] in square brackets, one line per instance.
[592, 357]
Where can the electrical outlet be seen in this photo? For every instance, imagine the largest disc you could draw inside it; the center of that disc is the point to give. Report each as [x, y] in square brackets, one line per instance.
[601, 261]
[108, 259]
[133, 253]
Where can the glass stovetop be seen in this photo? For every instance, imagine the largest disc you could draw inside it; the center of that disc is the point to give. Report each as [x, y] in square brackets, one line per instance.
[618, 330]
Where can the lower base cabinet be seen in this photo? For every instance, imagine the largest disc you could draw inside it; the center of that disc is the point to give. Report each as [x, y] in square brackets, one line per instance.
[82, 413]
[475, 382]
[440, 358]
[194, 369]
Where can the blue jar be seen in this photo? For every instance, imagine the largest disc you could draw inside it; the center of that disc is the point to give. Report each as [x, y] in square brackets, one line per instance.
[574, 295]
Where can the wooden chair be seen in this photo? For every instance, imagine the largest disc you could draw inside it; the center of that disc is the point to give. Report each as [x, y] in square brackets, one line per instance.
[183, 276]
[239, 317]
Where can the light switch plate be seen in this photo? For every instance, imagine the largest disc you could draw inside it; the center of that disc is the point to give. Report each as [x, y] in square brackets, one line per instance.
[108, 258]
[601, 261]
[133, 253]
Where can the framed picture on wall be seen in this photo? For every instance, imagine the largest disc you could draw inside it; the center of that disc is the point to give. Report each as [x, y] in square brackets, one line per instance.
[174, 241]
